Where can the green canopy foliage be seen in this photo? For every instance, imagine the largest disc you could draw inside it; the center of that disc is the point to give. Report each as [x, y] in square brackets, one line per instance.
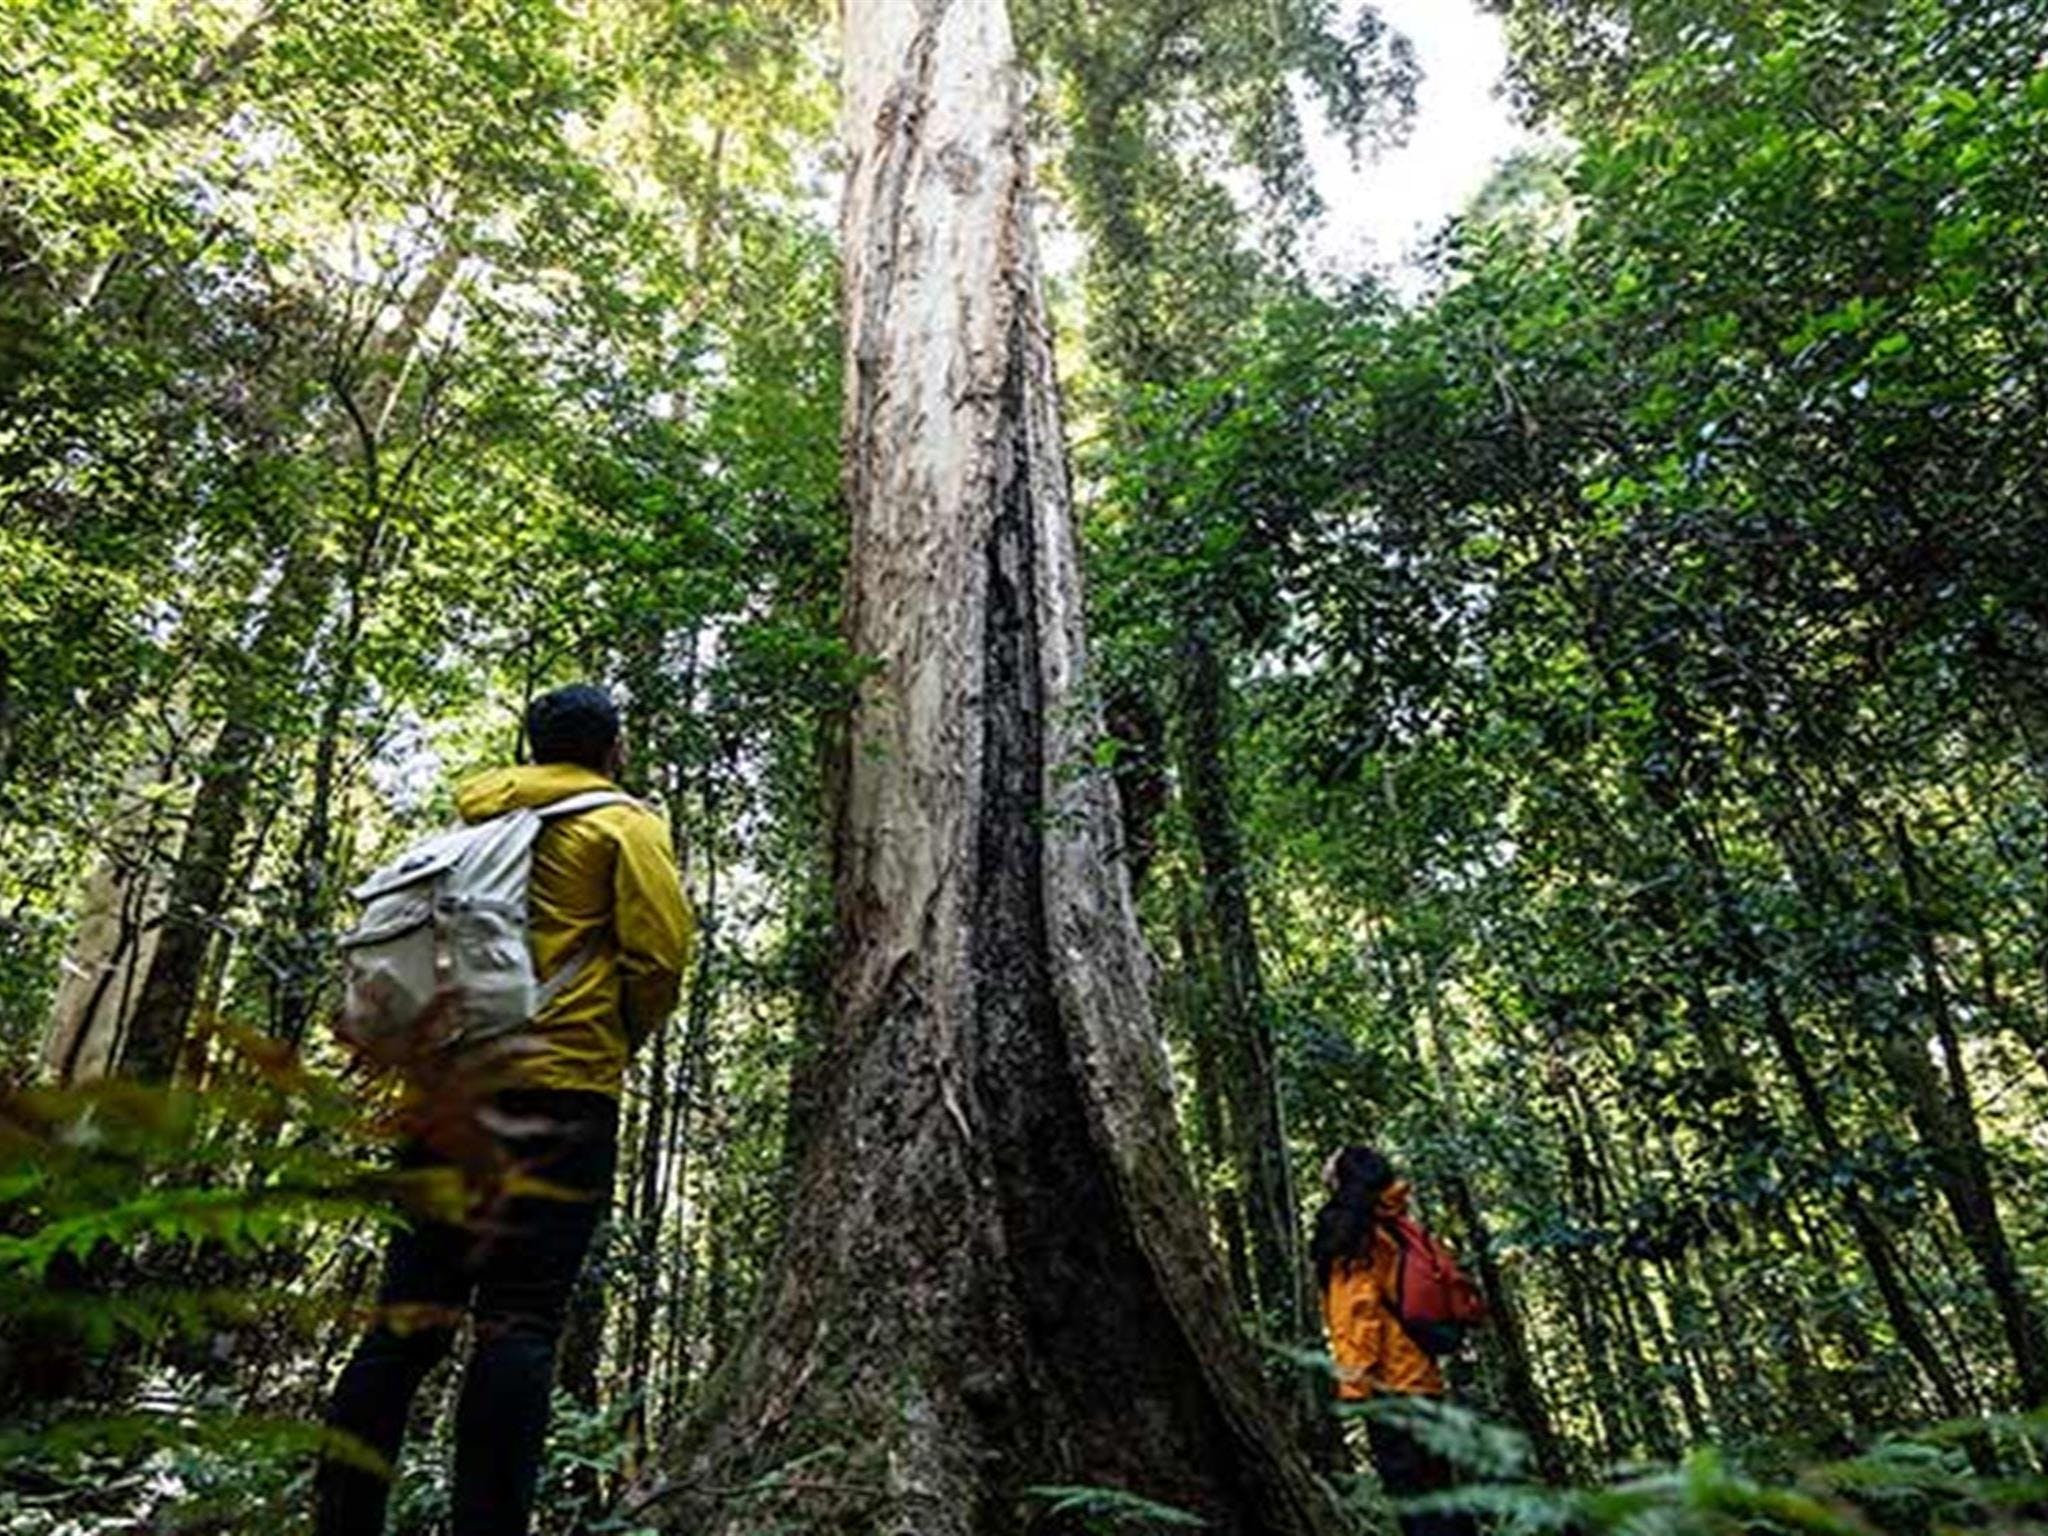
[1641, 709]
[1612, 683]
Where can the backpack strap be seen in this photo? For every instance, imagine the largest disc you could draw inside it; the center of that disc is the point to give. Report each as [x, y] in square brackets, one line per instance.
[584, 953]
[589, 800]
[566, 972]
[1391, 1225]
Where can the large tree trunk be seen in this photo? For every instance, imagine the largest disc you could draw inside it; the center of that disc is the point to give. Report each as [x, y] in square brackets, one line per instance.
[996, 1273]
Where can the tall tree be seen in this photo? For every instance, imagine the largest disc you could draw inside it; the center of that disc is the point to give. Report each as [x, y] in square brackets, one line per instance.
[996, 1273]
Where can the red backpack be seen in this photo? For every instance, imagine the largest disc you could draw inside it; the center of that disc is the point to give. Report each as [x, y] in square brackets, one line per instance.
[1436, 1303]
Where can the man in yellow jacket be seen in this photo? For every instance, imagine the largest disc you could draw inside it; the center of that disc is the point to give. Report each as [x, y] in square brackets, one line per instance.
[604, 897]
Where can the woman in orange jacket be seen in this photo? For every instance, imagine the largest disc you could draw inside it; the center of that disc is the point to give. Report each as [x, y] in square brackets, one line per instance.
[1356, 1259]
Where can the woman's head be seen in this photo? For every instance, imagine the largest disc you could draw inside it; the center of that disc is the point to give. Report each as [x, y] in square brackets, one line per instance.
[1356, 1169]
[1354, 1178]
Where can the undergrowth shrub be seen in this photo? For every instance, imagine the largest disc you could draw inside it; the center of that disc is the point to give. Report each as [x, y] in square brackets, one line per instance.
[177, 1267]
[181, 1268]
[1966, 1475]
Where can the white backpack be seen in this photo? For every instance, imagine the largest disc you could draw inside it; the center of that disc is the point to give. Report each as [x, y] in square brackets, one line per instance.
[449, 916]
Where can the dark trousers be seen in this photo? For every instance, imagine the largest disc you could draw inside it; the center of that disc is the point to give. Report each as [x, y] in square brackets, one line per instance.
[1408, 1469]
[513, 1273]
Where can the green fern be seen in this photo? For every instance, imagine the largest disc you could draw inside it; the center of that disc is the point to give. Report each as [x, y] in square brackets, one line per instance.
[71, 1442]
[145, 1233]
[1473, 1444]
[1112, 1509]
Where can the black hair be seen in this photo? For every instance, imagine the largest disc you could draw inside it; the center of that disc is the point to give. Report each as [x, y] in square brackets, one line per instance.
[1344, 1226]
[577, 724]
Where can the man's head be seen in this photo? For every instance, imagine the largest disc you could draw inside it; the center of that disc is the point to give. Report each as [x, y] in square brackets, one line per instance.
[578, 724]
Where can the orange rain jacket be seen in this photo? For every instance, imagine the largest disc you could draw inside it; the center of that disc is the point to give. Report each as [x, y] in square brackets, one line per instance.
[1373, 1352]
[606, 878]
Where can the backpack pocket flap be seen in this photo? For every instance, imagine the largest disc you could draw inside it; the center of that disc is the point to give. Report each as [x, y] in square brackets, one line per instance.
[426, 862]
[390, 918]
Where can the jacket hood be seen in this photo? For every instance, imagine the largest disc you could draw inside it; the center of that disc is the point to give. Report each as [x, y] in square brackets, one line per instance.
[498, 790]
[1394, 1199]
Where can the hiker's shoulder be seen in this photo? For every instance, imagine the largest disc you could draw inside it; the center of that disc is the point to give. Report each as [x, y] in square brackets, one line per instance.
[543, 787]
[632, 818]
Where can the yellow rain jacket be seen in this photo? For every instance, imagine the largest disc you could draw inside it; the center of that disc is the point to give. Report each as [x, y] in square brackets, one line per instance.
[606, 878]
[1373, 1352]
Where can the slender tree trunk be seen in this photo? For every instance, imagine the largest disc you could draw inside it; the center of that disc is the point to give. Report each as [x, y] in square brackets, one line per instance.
[1617, 1397]
[1251, 1082]
[718, 1287]
[1709, 1410]
[1749, 1124]
[1750, 962]
[1950, 1119]
[1603, 1386]
[1878, 1252]
[672, 1078]
[1214, 1141]
[1942, 1111]
[304, 949]
[648, 1208]
[679, 1332]
[1943, 1116]
[582, 1348]
[1648, 1369]
[368, 391]
[996, 1272]
[1652, 1362]
[198, 889]
[1509, 1333]
[111, 949]
[694, 1082]
[1658, 1304]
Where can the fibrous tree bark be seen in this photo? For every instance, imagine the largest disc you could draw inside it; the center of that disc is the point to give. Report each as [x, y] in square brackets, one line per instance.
[996, 1273]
